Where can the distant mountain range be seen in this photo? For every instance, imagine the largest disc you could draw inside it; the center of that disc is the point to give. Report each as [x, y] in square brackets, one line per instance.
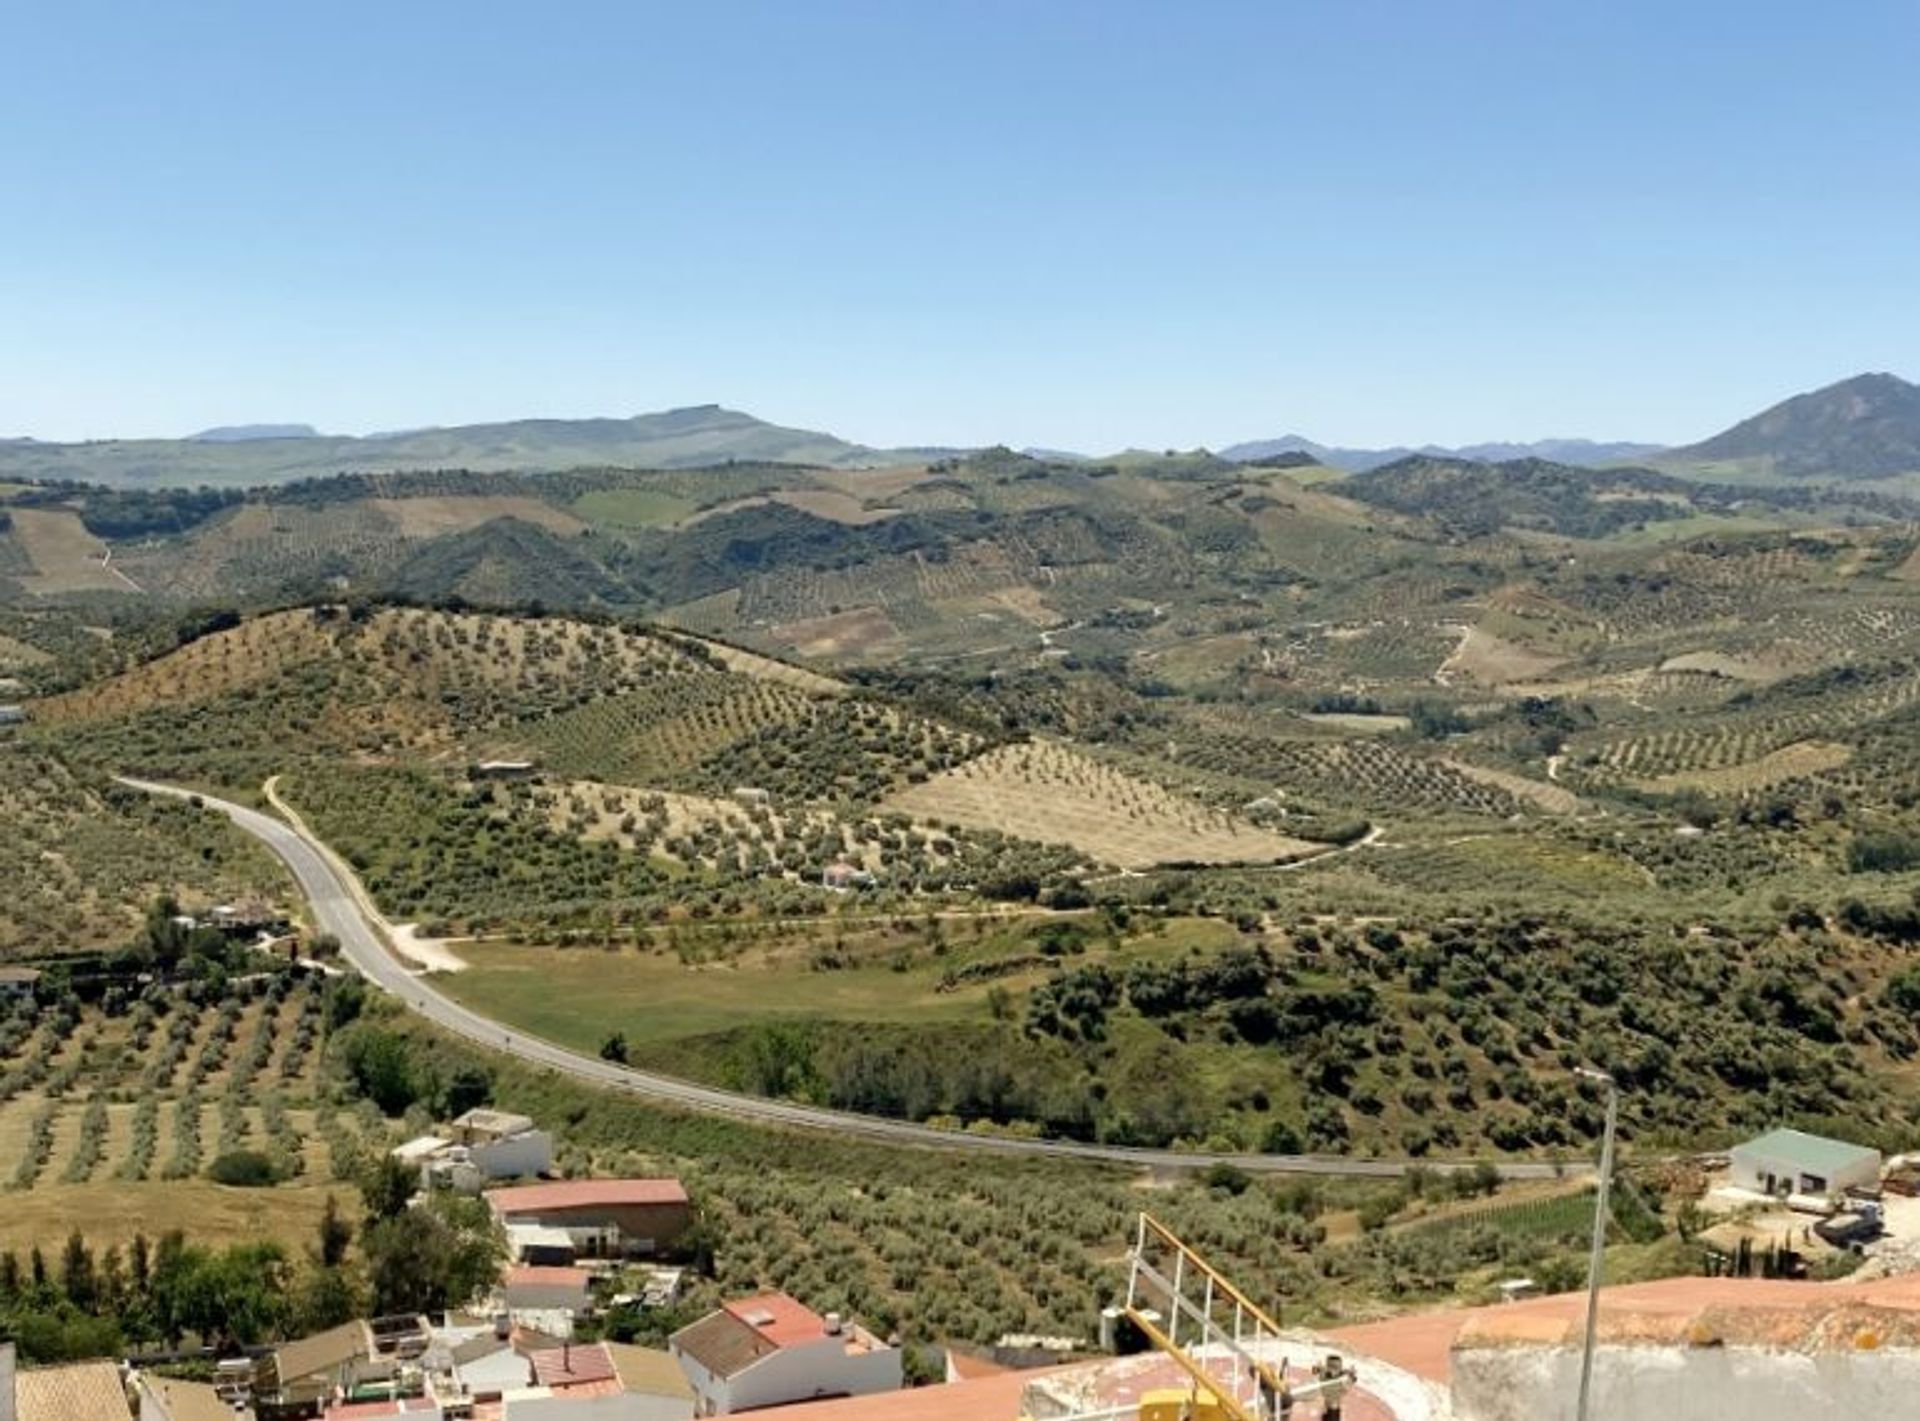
[1867, 427]
[261, 454]
[1586, 453]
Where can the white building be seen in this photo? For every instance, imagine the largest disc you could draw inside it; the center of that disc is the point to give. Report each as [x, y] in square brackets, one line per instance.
[769, 1350]
[480, 1148]
[1792, 1162]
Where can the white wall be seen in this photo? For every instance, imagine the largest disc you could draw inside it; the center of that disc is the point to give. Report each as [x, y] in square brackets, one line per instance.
[822, 1369]
[1749, 1168]
[629, 1406]
[1534, 1383]
[517, 1157]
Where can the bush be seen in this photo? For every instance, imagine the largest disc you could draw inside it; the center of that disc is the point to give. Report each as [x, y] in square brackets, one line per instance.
[1883, 851]
[243, 1169]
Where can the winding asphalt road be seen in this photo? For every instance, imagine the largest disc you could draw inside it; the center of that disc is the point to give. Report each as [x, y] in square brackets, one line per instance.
[337, 910]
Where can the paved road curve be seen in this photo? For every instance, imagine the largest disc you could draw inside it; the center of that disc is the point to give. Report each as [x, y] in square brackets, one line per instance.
[336, 910]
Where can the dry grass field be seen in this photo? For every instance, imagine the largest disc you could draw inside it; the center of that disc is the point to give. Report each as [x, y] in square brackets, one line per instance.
[1053, 794]
[1494, 661]
[65, 556]
[1357, 723]
[112, 1213]
[873, 483]
[433, 517]
[854, 632]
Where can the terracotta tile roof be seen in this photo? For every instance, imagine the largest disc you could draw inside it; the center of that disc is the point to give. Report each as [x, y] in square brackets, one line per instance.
[648, 1371]
[586, 1194]
[1422, 1343]
[571, 1365]
[85, 1391]
[781, 1320]
[723, 1344]
[379, 1410]
[539, 1275]
[982, 1399]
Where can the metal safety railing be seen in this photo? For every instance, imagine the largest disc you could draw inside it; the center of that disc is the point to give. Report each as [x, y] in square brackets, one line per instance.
[1226, 1343]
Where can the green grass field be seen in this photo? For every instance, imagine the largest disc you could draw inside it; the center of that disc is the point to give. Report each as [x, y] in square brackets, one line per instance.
[631, 507]
[580, 996]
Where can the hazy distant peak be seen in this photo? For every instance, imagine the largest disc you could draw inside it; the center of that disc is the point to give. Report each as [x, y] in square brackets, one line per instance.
[240, 433]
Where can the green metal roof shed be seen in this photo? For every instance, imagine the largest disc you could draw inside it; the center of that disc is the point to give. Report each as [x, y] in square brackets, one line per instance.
[1792, 1161]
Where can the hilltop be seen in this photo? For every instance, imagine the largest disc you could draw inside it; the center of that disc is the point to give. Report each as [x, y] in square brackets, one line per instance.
[1867, 427]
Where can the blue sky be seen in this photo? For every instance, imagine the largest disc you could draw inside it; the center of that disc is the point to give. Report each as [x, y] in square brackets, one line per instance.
[1082, 225]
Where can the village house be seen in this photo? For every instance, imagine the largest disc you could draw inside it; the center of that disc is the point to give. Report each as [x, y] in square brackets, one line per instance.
[604, 1381]
[602, 1218]
[770, 1350]
[480, 1147]
[306, 1374]
[12, 715]
[19, 981]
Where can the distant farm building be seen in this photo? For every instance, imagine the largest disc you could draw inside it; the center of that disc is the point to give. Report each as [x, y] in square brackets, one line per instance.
[752, 796]
[19, 981]
[1792, 1162]
[843, 876]
[602, 1218]
[505, 770]
[12, 715]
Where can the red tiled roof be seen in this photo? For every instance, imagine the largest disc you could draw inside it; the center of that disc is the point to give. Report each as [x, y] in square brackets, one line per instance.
[585, 1194]
[779, 1319]
[379, 1410]
[571, 1366]
[533, 1274]
[1423, 1342]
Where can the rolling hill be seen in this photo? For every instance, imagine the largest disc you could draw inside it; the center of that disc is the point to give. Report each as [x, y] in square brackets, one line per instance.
[237, 457]
[1867, 427]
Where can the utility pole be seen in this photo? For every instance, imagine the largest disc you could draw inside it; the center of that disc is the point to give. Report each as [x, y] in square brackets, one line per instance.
[1595, 1262]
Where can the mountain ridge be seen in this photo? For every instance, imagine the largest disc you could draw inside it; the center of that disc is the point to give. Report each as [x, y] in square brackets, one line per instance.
[1863, 427]
[691, 436]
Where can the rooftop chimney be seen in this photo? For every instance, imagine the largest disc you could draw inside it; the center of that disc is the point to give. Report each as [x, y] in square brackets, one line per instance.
[834, 1324]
